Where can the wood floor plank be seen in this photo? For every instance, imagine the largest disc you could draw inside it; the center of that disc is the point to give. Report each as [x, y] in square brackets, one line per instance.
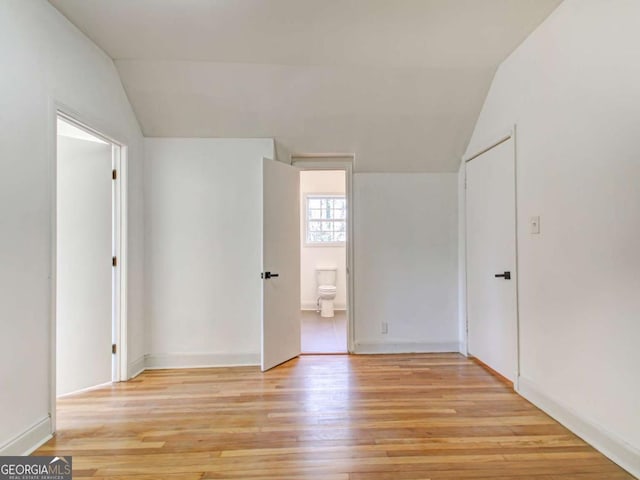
[381, 417]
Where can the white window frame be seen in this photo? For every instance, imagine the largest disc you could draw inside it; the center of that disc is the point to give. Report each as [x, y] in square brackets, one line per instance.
[314, 195]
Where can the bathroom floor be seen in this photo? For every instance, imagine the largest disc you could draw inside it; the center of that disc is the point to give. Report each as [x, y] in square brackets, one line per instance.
[323, 335]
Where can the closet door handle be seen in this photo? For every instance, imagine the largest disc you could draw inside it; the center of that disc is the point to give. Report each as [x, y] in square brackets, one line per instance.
[505, 275]
[268, 275]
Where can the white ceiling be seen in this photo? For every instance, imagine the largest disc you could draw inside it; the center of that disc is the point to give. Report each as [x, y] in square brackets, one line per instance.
[399, 83]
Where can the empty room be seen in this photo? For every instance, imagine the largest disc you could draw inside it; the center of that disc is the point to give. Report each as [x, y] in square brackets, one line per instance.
[320, 239]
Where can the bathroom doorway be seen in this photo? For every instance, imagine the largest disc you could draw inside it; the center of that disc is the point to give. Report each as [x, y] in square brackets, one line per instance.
[89, 329]
[324, 260]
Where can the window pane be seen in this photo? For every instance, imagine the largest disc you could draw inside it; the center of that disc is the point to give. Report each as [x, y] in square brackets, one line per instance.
[314, 237]
[326, 219]
[314, 202]
[326, 236]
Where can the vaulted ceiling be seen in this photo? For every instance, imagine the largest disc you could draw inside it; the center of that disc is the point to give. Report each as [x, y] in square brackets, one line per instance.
[399, 83]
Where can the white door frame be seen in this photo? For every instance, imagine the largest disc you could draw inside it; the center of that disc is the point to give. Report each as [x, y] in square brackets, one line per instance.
[119, 310]
[344, 162]
[511, 134]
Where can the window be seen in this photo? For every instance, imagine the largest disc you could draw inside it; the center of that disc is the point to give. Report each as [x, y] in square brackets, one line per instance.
[326, 219]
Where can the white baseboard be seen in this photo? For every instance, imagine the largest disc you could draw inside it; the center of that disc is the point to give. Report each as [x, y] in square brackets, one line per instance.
[136, 367]
[29, 440]
[200, 360]
[405, 347]
[86, 389]
[619, 451]
[306, 306]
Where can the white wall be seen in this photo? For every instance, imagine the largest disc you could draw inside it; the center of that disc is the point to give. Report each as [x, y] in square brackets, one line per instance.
[462, 262]
[406, 263]
[204, 250]
[573, 89]
[46, 58]
[319, 181]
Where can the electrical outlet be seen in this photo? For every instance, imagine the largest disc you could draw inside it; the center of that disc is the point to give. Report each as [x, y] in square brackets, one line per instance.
[384, 328]
[534, 225]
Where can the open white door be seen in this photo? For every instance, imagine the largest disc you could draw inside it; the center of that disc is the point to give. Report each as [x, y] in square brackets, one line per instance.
[281, 264]
[84, 272]
[491, 259]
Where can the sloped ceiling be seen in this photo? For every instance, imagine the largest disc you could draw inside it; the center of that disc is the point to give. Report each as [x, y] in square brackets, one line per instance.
[399, 83]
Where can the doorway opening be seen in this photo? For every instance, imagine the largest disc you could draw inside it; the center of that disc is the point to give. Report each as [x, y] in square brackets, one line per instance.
[324, 256]
[89, 315]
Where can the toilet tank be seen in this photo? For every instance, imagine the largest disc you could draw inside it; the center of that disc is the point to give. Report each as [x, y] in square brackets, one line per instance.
[326, 275]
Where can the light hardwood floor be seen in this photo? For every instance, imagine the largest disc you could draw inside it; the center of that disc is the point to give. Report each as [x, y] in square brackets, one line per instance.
[397, 417]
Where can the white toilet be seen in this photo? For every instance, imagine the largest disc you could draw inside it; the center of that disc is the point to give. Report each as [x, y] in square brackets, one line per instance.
[326, 281]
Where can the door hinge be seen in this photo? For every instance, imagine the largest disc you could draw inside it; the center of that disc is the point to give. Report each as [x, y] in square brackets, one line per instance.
[114, 348]
[114, 174]
[114, 261]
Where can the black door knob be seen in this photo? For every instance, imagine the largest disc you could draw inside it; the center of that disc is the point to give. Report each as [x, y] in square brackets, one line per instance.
[505, 275]
[268, 275]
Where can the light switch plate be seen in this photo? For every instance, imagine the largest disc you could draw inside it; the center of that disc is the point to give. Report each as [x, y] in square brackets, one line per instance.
[534, 225]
